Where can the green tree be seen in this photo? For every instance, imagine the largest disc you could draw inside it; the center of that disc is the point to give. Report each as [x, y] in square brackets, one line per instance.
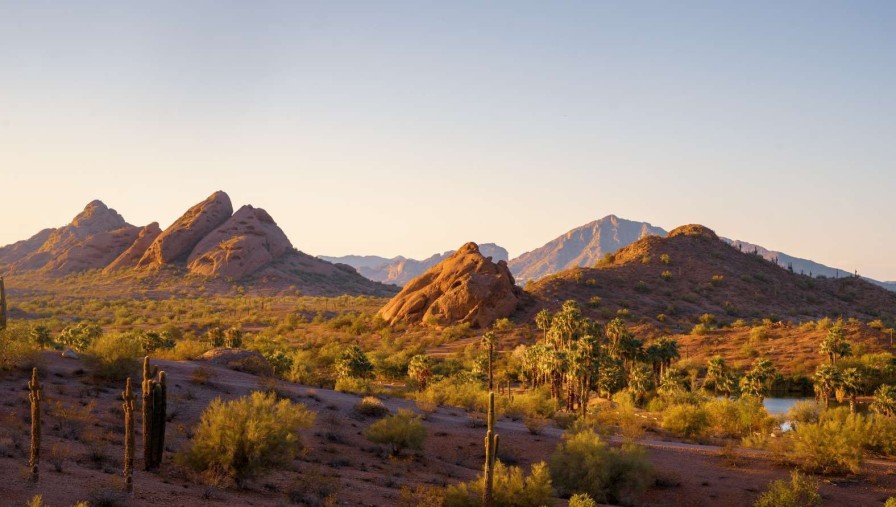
[40, 336]
[826, 380]
[884, 401]
[354, 363]
[834, 345]
[850, 386]
[420, 370]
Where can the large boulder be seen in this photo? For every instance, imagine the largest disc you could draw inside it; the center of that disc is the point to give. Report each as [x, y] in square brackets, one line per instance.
[177, 241]
[467, 287]
[246, 242]
[130, 257]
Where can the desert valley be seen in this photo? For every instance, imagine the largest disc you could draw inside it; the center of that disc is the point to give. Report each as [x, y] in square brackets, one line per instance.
[291, 379]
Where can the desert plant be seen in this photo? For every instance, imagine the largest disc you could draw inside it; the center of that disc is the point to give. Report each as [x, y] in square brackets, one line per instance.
[35, 395]
[241, 438]
[3, 316]
[371, 406]
[40, 336]
[830, 446]
[403, 430]
[511, 488]
[155, 400]
[114, 356]
[583, 463]
[128, 408]
[491, 452]
[685, 420]
[353, 363]
[801, 491]
[884, 401]
[581, 500]
[420, 370]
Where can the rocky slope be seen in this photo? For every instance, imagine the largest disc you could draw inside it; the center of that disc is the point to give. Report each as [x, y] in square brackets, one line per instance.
[93, 239]
[209, 242]
[692, 272]
[400, 270]
[582, 246]
[465, 287]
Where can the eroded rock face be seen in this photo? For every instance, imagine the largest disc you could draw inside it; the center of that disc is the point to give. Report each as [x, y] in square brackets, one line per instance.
[246, 242]
[467, 287]
[130, 257]
[177, 241]
[95, 236]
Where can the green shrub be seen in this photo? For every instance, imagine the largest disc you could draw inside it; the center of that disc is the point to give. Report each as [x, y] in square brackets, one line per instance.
[581, 500]
[804, 411]
[371, 406]
[184, 350]
[114, 356]
[801, 491]
[583, 463]
[242, 438]
[353, 385]
[403, 430]
[891, 502]
[831, 446]
[686, 420]
[738, 418]
[510, 488]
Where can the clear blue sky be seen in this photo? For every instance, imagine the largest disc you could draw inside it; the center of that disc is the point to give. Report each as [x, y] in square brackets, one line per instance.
[411, 127]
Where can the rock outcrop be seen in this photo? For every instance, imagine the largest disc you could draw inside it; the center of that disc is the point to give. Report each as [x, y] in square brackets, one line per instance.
[95, 237]
[246, 242]
[467, 287]
[178, 241]
[130, 257]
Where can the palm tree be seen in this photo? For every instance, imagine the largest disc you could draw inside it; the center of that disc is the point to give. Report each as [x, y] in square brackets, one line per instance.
[543, 321]
[826, 379]
[834, 345]
[640, 382]
[759, 380]
[850, 385]
[884, 400]
[716, 371]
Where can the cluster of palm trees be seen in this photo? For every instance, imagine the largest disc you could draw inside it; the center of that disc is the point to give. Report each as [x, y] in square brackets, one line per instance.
[755, 382]
[830, 380]
[577, 356]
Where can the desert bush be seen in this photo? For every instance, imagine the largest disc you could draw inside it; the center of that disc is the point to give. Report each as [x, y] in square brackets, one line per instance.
[353, 385]
[685, 420]
[114, 356]
[831, 446]
[738, 418]
[456, 392]
[403, 430]
[371, 406]
[79, 336]
[510, 488]
[535, 423]
[242, 438]
[312, 487]
[531, 402]
[422, 496]
[183, 350]
[801, 491]
[891, 502]
[804, 412]
[583, 463]
[252, 364]
[71, 421]
[202, 375]
[581, 500]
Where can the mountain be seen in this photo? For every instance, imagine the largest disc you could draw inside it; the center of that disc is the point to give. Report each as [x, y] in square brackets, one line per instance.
[802, 266]
[207, 243]
[464, 287]
[672, 281]
[582, 246]
[400, 270]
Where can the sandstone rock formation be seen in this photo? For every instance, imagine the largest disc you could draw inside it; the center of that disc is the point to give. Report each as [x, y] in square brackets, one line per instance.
[467, 287]
[130, 257]
[246, 242]
[400, 270]
[177, 241]
[94, 237]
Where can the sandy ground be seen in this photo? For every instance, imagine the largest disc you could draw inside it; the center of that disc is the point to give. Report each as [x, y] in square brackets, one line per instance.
[84, 462]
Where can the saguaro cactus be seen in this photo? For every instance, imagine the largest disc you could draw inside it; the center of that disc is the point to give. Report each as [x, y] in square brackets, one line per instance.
[128, 407]
[2, 304]
[491, 452]
[35, 395]
[155, 394]
[159, 405]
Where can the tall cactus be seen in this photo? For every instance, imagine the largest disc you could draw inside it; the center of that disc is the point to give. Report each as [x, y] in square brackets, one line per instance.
[36, 396]
[159, 404]
[147, 412]
[155, 393]
[128, 407]
[2, 304]
[491, 452]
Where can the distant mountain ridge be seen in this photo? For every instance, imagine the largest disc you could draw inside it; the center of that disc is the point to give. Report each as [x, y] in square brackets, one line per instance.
[209, 241]
[401, 270]
[581, 247]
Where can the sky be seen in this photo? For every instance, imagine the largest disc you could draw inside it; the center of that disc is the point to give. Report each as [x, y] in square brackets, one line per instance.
[409, 128]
